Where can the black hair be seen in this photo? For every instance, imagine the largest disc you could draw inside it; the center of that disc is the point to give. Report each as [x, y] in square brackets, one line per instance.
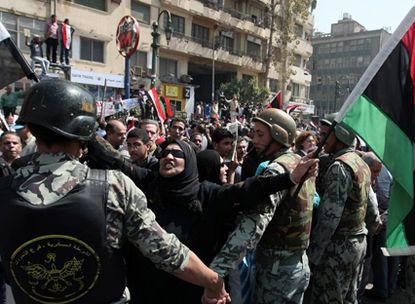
[177, 119]
[7, 133]
[221, 133]
[141, 134]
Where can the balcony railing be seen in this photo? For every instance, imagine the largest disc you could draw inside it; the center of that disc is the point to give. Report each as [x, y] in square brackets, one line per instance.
[209, 43]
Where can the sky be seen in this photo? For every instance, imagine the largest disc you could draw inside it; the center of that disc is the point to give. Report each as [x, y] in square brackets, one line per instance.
[372, 14]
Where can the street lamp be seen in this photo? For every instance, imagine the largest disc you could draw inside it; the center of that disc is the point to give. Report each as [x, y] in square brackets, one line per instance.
[214, 46]
[156, 42]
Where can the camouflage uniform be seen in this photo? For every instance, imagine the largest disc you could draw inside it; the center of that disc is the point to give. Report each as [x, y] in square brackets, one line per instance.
[338, 242]
[128, 218]
[282, 271]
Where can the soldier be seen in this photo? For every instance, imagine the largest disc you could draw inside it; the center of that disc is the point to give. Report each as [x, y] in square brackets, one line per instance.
[281, 263]
[338, 241]
[64, 225]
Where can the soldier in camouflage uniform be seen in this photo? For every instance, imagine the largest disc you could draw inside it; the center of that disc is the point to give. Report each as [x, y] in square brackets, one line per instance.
[64, 225]
[338, 240]
[281, 263]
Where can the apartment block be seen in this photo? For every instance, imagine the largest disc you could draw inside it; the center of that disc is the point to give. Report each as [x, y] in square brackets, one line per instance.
[213, 41]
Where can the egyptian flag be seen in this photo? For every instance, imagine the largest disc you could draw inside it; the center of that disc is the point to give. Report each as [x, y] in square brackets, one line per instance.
[381, 110]
[154, 97]
[167, 106]
[66, 35]
[13, 65]
[276, 101]
[291, 108]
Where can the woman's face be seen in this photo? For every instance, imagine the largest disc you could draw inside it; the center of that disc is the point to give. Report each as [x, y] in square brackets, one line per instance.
[223, 172]
[172, 161]
[309, 143]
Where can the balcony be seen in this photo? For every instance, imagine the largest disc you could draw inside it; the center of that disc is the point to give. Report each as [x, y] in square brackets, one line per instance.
[214, 10]
[300, 76]
[302, 47]
[196, 47]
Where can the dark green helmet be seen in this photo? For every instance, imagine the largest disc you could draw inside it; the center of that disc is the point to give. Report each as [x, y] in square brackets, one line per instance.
[342, 133]
[282, 126]
[61, 106]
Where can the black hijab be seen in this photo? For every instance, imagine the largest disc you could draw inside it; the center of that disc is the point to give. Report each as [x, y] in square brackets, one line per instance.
[184, 187]
[208, 165]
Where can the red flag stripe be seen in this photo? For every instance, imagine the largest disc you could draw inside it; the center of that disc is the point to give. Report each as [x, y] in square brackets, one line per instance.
[409, 42]
[156, 101]
[169, 111]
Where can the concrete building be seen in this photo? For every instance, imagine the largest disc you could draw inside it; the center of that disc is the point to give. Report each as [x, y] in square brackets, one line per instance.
[339, 59]
[213, 41]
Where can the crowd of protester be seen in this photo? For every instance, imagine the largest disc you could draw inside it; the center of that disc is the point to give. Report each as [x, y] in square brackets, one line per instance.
[214, 205]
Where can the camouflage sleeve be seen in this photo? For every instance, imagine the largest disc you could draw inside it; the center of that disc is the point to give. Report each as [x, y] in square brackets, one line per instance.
[338, 182]
[129, 218]
[247, 233]
[372, 218]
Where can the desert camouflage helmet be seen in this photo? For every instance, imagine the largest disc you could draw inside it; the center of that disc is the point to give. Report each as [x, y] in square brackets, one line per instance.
[342, 133]
[281, 125]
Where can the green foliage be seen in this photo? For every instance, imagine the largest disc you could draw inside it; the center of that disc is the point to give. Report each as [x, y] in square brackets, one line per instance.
[283, 39]
[247, 90]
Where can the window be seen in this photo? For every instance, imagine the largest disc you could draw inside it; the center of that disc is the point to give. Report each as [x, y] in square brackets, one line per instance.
[140, 11]
[176, 105]
[200, 34]
[227, 43]
[168, 67]
[296, 89]
[177, 24]
[16, 26]
[97, 4]
[92, 50]
[139, 59]
[273, 85]
[299, 30]
[253, 49]
[297, 60]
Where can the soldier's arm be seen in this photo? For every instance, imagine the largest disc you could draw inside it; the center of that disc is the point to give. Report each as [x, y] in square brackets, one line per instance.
[257, 189]
[330, 210]
[246, 235]
[249, 230]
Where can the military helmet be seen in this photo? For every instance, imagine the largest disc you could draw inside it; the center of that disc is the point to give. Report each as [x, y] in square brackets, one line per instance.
[282, 126]
[61, 106]
[342, 133]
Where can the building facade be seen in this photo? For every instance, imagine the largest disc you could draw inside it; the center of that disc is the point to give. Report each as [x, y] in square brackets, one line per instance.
[338, 61]
[213, 41]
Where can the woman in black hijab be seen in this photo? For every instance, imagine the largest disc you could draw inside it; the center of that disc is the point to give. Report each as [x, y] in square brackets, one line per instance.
[198, 213]
[209, 165]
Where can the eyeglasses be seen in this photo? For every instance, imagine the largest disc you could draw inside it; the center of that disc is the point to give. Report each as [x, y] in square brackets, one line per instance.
[222, 164]
[174, 153]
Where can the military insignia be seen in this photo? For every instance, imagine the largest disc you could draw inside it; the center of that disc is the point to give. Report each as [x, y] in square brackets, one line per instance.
[55, 268]
[87, 106]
